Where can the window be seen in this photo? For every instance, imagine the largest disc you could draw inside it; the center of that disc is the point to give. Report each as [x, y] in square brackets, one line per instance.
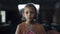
[3, 16]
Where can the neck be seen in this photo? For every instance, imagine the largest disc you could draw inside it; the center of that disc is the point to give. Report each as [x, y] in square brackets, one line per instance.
[29, 22]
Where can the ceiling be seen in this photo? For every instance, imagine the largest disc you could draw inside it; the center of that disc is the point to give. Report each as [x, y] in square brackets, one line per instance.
[12, 4]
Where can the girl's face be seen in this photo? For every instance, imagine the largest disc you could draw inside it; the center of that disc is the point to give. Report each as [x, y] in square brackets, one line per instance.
[29, 13]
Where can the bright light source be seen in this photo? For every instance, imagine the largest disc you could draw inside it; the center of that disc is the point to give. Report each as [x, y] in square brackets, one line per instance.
[21, 6]
[3, 15]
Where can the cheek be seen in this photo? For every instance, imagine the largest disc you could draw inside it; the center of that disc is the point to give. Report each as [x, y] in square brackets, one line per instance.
[33, 15]
[25, 15]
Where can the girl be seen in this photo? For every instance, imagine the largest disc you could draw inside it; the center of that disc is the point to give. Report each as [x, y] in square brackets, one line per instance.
[30, 26]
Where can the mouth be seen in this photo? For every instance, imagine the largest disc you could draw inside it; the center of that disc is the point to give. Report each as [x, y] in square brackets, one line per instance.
[30, 18]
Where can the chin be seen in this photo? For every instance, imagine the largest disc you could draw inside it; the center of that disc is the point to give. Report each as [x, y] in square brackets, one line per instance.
[29, 19]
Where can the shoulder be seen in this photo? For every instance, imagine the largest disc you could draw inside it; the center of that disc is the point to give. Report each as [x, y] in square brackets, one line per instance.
[39, 25]
[21, 25]
[40, 28]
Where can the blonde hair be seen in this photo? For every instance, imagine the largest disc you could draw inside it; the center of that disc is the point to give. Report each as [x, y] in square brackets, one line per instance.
[30, 5]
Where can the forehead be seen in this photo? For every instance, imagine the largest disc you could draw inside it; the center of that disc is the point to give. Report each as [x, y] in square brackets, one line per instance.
[29, 9]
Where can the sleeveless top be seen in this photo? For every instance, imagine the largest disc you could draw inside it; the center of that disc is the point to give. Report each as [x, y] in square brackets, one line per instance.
[30, 29]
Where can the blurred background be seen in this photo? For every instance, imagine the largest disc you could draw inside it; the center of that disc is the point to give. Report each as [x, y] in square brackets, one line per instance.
[49, 14]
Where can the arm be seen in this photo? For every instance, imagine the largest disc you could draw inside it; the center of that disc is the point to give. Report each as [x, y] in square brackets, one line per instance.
[42, 29]
[18, 31]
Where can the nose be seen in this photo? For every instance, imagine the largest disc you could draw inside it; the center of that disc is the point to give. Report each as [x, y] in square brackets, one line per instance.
[29, 14]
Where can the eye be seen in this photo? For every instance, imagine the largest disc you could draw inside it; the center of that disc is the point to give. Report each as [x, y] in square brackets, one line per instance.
[32, 12]
[26, 12]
